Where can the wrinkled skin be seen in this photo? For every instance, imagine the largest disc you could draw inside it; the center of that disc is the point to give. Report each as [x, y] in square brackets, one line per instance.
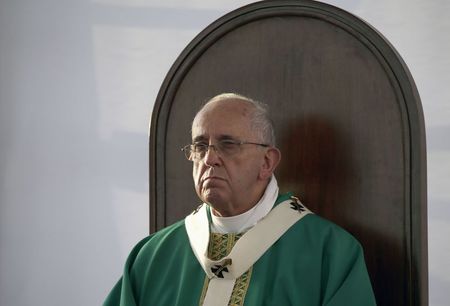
[234, 184]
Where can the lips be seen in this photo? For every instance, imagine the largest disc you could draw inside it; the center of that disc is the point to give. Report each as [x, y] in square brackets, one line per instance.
[212, 181]
[212, 178]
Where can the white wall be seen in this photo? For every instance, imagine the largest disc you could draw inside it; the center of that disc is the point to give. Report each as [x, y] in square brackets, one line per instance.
[77, 84]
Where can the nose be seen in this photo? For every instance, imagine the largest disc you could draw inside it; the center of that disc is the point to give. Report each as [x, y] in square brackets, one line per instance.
[212, 157]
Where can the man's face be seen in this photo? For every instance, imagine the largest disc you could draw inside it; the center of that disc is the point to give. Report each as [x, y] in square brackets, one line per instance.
[227, 183]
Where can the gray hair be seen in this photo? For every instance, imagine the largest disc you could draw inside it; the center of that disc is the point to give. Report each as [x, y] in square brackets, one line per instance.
[259, 120]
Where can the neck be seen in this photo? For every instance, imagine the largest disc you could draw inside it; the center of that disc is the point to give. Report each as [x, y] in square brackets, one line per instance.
[231, 210]
[241, 222]
[240, 205]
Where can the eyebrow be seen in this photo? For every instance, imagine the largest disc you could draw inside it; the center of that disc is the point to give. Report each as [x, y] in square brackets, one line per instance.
[199, 138]
[221, 137]
[226, 137]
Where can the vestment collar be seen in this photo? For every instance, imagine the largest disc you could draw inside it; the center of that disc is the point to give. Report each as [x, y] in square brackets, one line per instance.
[250, 247]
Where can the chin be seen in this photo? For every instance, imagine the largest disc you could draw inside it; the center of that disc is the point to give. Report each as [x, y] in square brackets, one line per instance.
[212, 198]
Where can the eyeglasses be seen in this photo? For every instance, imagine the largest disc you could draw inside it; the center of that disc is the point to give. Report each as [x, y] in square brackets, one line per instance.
[224, 148]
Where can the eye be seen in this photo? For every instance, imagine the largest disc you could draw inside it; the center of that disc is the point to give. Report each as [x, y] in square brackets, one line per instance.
[200, 147]
[228, 146]
[228, 142]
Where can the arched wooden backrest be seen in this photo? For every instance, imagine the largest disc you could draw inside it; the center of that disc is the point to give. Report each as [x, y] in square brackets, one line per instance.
[348, 119]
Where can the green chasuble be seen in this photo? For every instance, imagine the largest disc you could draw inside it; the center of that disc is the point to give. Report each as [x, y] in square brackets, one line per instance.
[314, 263]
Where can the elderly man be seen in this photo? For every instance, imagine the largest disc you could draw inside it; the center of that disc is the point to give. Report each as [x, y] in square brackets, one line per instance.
[246, 244]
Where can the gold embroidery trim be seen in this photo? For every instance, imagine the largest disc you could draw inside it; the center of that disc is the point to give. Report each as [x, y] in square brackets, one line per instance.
[220, 245]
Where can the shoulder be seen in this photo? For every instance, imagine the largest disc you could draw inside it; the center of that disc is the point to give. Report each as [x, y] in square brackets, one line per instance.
[314, 224]
[318, 231]
[314, 230]
[322, 225]
[169, 233]
[170, 230]
[167, 236]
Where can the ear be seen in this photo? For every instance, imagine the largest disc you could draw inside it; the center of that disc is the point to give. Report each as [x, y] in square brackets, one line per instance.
[272, 158]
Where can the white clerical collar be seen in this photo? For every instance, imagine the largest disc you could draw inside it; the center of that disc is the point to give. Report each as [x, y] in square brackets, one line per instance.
[246, 220]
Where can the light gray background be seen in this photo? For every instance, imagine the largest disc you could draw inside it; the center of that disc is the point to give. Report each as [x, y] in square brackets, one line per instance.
[78, 80]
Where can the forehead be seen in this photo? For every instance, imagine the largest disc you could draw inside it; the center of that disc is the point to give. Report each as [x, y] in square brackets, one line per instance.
[218, 119]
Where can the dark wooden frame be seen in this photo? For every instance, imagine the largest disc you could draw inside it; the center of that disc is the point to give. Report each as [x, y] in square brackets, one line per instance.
[415, 233]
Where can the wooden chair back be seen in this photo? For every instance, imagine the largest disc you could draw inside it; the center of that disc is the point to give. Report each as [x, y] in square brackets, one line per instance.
[348, 121]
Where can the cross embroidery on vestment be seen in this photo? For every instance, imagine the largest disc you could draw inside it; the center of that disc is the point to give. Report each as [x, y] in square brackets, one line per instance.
[218, 269]
[297, 205]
